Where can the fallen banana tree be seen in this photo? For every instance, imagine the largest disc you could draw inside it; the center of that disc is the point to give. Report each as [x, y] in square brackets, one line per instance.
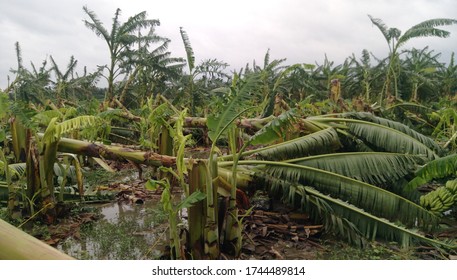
[18, 245]
[98, 150]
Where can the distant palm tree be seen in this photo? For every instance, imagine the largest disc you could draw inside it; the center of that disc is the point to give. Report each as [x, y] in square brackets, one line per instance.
[395, 40]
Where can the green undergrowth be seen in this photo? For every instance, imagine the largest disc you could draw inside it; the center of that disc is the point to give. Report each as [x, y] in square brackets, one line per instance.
[339, 250]
[137, 233]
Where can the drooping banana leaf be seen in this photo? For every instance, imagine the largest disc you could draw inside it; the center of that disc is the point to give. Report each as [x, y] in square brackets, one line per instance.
[275, 129]
[372, 199]
[49, 143]
[323, 141]
[371, 226]
[380, 136]
[435, 169]
[344, 219]
[375, 168]
[71, 173]
[411, 107]
[389, 139]
[43, 118]
[397, 126]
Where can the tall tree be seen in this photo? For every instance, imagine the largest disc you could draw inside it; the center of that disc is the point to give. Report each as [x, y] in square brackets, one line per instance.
[395, 40]
[203, 77]
[62, 78]
[150, 70]
[69, 84]
[448, 78]
[420, 68]
[122, 38]
[29, 85]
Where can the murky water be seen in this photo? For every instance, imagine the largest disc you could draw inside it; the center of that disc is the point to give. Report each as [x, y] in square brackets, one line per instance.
[126, 231]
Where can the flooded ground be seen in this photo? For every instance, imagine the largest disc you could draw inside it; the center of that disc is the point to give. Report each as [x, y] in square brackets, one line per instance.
[124, 231]
[134, 227]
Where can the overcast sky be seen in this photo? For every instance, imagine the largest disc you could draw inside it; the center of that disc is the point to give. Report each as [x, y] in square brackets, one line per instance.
[234, 31]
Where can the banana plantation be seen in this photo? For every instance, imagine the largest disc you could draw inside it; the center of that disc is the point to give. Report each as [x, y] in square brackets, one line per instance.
[366, 149]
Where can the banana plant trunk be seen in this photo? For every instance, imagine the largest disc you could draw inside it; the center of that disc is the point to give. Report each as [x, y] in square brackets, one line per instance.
[197, 213]
[40, 189]
[212, 248]
[79, 147]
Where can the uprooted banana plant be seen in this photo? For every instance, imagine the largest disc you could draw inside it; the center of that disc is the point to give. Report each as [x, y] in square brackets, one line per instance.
[349, 173]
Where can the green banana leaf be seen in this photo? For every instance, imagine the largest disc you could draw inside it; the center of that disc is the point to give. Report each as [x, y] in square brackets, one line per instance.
[376, 168]
[323, 141]
[372, 199]
[436, 169]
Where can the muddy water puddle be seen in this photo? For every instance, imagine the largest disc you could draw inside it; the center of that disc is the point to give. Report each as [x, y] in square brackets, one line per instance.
[125, 231]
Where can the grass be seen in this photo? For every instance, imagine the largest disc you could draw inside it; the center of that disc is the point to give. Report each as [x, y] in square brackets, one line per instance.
[340, 250]
[100, 176]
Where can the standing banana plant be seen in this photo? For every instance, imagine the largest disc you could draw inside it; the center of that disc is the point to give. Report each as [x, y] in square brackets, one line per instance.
[120, 39]
[217, 126]
[395, 40]
[448, 77]
[40, 156]
[420, 67]
[200, 79]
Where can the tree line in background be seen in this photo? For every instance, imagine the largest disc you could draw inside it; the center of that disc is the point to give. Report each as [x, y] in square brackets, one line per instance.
[141, 66]
[348, 143]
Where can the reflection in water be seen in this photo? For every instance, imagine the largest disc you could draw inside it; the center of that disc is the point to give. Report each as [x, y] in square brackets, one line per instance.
[126, 231]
